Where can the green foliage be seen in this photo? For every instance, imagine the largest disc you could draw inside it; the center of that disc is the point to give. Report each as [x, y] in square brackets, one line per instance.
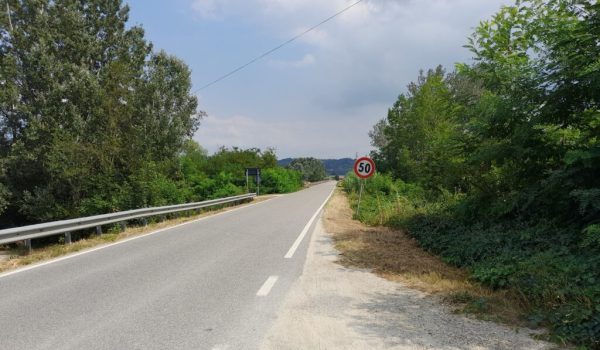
[92, 120]
[87, 107]
[311, 169]
[420, 134]
[554, 267]
[4, 192]
[386, 201]
[223, 174]
[507, 152]
[591, 237]
[222, 185]
[280, 180]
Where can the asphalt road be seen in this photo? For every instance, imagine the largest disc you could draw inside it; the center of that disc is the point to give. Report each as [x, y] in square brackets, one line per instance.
[212, 284]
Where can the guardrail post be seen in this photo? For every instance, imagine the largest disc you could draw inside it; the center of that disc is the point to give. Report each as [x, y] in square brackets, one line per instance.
[28, 245]
[98, 230]
[67, 237]
[145, 221]
[123, 225]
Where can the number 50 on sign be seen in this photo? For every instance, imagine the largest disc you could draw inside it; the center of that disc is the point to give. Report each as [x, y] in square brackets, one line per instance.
[364, 167]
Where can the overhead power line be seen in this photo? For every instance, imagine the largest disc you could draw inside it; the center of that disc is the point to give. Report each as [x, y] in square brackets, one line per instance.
[279, 46]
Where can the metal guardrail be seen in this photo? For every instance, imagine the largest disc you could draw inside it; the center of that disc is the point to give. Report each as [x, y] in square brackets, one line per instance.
[67, 226]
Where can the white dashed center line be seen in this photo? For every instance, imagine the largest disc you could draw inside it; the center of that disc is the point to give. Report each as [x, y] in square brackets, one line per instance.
[267, 286]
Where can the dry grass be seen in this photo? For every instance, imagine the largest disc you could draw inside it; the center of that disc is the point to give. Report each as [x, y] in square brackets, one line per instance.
[396, 256]
[18, 255]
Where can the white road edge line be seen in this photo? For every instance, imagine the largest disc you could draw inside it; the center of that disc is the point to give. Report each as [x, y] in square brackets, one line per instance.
[296, 244]
[267, 286]
[31, 267]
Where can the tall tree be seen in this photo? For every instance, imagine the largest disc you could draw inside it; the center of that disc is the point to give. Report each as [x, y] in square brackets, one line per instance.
[418, 139]
[541, 59]
[86, 105]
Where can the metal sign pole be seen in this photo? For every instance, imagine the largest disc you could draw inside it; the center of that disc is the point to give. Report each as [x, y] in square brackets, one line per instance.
[362, 185]
[247, 189]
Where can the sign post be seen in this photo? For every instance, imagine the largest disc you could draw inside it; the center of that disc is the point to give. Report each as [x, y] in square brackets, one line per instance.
[256, 173]
[362, 185]
[363, 168]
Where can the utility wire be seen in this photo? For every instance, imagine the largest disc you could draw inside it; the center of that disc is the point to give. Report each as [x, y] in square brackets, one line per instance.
[278, 47]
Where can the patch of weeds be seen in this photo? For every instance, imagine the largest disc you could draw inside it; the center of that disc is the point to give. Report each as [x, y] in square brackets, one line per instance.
[109, 237]
[460, 297]
[535, 319]
[479, 305]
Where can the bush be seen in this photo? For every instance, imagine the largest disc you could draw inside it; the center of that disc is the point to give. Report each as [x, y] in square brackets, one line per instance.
[311, 169]
[280, 180]
[554, 266]
[220, 186]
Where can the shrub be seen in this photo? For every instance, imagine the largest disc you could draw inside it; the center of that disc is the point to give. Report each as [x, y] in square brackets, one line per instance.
[280, 180]
[554, 266]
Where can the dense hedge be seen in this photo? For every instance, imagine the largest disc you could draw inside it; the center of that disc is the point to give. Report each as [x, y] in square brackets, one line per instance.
[554, 266]
[506, 150]
[280, 180]
[190, 177]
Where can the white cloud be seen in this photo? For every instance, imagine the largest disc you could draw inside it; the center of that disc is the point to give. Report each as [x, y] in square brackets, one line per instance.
[382, 42]
[290, 138]
[359, 62]
[207, 9]
[280, 6]
[240, 131]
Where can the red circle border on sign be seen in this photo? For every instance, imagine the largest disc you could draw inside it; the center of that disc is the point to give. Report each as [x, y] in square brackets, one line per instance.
[368, 160]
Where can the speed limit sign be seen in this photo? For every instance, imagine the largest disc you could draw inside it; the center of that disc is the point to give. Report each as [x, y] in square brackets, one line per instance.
[364, 167]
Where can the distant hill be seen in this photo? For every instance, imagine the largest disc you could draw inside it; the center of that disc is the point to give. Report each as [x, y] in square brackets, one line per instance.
[333, 166]
[285, 161]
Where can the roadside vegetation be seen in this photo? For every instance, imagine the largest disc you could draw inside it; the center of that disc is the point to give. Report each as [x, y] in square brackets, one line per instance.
[396, 255]
[333, 167]
[494, 167]
[93, 120]
[312, 169]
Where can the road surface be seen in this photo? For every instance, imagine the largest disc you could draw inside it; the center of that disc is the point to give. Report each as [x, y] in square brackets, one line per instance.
[211, 284]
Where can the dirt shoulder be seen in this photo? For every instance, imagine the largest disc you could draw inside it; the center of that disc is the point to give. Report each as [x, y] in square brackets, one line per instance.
[396, 256]
[344, 307]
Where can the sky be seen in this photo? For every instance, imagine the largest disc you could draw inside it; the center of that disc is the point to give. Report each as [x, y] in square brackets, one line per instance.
[320, 95]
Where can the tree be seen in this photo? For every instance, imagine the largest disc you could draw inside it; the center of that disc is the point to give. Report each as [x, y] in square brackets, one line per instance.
[418, 141]
[4, 192]
[540, 59]
[517, 134]
[311, 169]
[84, 107]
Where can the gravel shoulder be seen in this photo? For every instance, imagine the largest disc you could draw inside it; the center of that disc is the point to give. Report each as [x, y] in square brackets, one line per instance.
[334, 307]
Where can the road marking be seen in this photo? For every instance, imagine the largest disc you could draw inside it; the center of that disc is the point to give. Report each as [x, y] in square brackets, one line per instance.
[267, 286]
[296, 244]
[31, 267]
